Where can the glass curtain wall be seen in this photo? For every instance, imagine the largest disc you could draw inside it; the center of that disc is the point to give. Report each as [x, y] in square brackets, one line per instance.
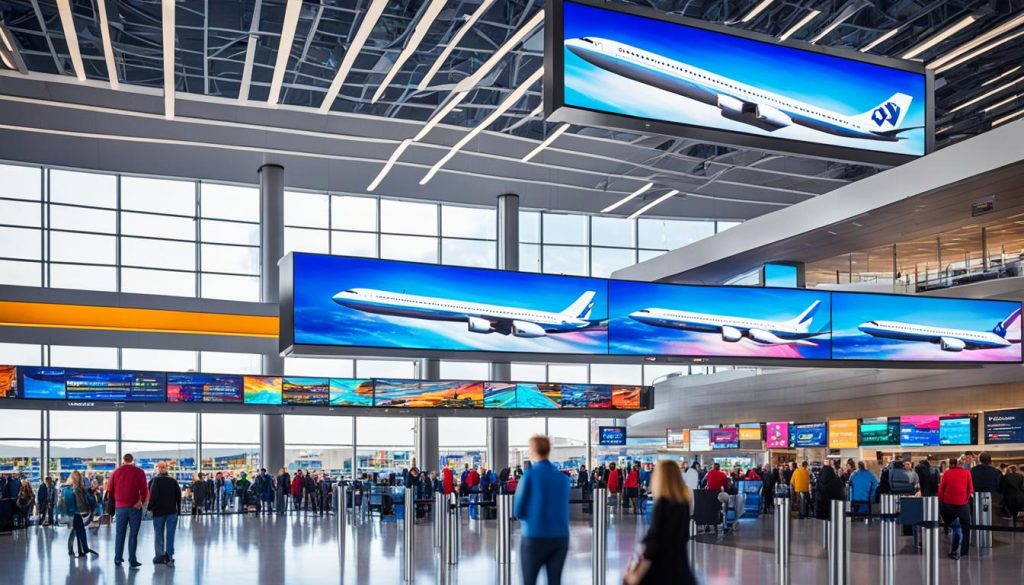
[230, 443]
[21, 444]
[318, 443]
[384, 445]
[152, 437]
[462, 441]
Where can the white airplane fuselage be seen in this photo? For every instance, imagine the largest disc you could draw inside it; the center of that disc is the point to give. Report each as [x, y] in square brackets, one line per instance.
[731, 328]
[948, 339]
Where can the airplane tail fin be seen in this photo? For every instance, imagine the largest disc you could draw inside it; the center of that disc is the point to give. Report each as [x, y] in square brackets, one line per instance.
[582, 307]
[1004, 326]
[888, 115]
[805, 318]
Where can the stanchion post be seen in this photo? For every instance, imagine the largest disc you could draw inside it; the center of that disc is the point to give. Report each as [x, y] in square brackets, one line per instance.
[451, 533]
[440, 518]
[599, 540]
[888, 524]
[839, 543]
[930, 537]
[692, 541]
[782, 519]
[408, 543]
[341, 509]
[504, 504]
[982, 517]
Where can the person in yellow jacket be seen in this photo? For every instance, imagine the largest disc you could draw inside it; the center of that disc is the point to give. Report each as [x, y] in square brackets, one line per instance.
[801, 485]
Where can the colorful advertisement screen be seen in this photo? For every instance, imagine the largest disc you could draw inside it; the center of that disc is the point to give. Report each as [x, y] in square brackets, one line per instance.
[586, 396]
[647, 67]
[700, 440]
[842, 434]
[957, 430]
[262, 390]
[297, 391]
[681, 320]
[441, 394]
[810, 435]
[915, 328]
[777, 435]
[42, 383]
[880, 431]
[612, 436]
[350, 392]
[725, 438]
[213, 388]
[364, 302]
[677, 439]
[115, 386]
[499, 395]
[750, 432]
[1004, 426]
[538, 395]
[626, 397]
[919, 430]
[8, 382]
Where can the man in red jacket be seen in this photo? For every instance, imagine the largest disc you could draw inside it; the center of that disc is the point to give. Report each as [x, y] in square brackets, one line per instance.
[129, 491]
[955, 490]
[447, 481]
[716, 479]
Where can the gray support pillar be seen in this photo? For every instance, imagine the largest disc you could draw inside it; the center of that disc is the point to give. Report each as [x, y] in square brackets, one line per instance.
[497, 427]
[428, 453]
[272, 442]
[508, 259]
[271, 250]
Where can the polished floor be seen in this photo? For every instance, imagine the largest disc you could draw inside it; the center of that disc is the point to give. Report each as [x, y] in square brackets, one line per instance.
[296, 550]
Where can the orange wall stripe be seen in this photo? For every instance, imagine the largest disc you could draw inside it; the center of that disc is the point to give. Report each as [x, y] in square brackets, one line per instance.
[47, 315]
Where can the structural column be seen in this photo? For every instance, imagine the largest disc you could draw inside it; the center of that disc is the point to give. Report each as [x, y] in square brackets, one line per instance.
[427, 451]
[271, 250]
[497, 427]
[508, 259]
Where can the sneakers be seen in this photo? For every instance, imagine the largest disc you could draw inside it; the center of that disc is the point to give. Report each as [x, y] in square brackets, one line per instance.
[160, 560]
[134, 564]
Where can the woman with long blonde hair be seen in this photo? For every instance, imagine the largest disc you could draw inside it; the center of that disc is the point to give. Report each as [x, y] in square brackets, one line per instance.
[664, 558]
[76, 505]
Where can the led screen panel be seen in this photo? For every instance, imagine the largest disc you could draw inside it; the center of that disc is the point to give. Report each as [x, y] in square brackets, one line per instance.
[727, 438]
[538, 396]
[42, 383]
[915, 328]
[8, 382]
[810, 435]
[777, 435]
[262, 390]
[677, 439]
[842, 434]
[957, 429]
[919, 430]
[362, 302]
[700, 440]
[586, 396]
[879, 432]
[115, 386]
[499, 395]
[351, 392]
[213, 388]
[1004, 426]
[682, 320]
[626, 397]
[298, 391]
[612, 436]
[441, 394]
[635, 68]
[750, 432]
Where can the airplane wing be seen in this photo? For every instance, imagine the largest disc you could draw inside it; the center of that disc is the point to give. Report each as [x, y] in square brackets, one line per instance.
[768, 338]
[763, 116]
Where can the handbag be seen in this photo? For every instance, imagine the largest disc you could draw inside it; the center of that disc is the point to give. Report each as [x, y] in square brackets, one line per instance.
[636, 570]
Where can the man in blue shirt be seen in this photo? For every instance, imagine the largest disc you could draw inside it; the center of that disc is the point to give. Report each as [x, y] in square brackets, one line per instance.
[542, 506]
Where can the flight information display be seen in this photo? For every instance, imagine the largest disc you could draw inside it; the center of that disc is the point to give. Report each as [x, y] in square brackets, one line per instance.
[8, 382]
[681, 320]
[629, 66]
[919, 430]
[428, 394]
[1004, 426]
[42, 383]
[299, 391]
[347, 392]
[957, 429]
[115, 386]
[777, 435]
[725, 438]
[879, 432]
[612, 436]
[810, 435]
[364, 302]
[916, 328]
[211, 388]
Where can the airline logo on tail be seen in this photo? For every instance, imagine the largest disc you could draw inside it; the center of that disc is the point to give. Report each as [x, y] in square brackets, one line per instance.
[887, 116]
[889, 111]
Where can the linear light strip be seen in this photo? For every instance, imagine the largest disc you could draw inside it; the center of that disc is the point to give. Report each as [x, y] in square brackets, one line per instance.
[757, 10]
[939, 37]
[1002, 103]
[250, 52]
[389, 164]
[547, 141]
[412, 43]
[8, 54]
[67, 20]
[436, 119]
[832, 26]
[510, 101]
[976, 42]
[653, 204]
[284, 48]
[168, 25]
[455, 40]
[519, 36]
[799, 25]
[355, 45]
[1007, 118]
[1000, 76]
[880, 40]
[108, 47]
[961, 60]
[627, 198]
[986, 95]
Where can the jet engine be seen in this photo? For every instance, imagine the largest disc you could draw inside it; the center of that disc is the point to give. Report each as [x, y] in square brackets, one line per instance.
[527, 329]
[772, 116]
[478, 325]
[951, 344]
[731, 334]
[730, 104]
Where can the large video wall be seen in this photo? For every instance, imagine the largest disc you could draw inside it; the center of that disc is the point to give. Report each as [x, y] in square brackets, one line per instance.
[345, 302]
[78, 385]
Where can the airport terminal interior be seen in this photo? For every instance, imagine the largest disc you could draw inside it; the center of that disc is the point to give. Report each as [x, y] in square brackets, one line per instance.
[368, 291]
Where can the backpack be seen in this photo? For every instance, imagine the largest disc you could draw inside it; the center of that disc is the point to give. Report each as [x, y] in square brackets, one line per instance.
[899, 482]
[68, 500]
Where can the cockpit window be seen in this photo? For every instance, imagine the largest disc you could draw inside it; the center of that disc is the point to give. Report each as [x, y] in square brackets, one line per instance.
[587, 40]
[352, 291]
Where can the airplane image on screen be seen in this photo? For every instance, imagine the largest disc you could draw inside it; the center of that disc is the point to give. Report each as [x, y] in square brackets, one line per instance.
[738, 101]
[479, 317]
[946, 338]
[733, 329]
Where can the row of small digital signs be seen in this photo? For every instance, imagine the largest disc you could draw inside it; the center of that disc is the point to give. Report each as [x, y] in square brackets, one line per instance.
[55, 383]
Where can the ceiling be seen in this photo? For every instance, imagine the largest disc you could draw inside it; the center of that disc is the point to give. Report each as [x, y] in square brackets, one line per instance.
[230, 51]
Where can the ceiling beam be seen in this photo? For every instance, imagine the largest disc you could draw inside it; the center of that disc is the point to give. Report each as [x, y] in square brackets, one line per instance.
[168, 25]
[67, 20]
[370, 18]
[284, 48]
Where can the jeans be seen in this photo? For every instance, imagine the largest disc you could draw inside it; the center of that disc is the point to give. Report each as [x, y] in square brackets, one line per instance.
[961, 535]
[164, 525]
[549, 553]
[77, 534]
[126, 520]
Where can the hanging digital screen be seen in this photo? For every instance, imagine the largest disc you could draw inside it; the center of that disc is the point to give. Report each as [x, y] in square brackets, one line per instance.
[41, 383]
[677, 439]
[1004, 426]
[300, 391]
[957, 429]
[842, 434]
[115, 386]
[212, 388]
[539, 396]
[809, 435]
[350, 392]
[262, 390]
[777, 434]
[499, 395]
[8, 382]
[879, 432]
[586, 396]
[750, 432]
[612, 436]
[636, 68]
[700, 440]
[919, 430]
[725, 438]
[428, 394]
[915, 328]
[626, 397]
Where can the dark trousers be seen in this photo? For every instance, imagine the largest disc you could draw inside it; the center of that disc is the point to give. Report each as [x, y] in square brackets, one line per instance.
[950, 513]
[549, 553]
[77, 534]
